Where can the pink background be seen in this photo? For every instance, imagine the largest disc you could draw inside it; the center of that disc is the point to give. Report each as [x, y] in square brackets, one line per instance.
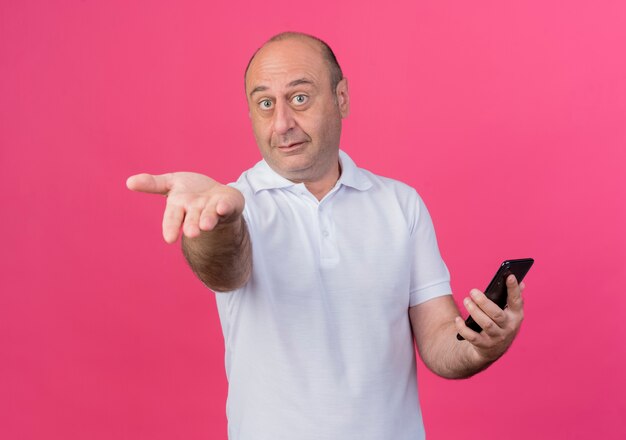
[508, 117]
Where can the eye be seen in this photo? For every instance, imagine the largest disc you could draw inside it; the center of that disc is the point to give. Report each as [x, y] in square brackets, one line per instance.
[266, 104]
[299, 99]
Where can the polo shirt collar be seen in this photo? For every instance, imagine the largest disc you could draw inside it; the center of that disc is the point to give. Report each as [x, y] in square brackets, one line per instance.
[351, 175]
[261, 176]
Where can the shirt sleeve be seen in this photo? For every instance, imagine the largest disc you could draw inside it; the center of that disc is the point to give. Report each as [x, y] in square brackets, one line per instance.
[430, 277]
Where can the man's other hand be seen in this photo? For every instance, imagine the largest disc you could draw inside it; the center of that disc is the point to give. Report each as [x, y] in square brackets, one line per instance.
[194, 201]
[499, 326]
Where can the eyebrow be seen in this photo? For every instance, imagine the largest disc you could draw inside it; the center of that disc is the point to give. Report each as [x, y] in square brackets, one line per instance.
[294, 83]
[300, 81]
[258, 89]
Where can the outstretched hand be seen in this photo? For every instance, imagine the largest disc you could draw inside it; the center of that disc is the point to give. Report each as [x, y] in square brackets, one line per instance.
[195, 202]
[500, 326]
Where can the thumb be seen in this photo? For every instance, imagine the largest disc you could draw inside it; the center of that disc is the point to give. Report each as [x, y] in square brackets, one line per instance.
[514, 294]
[149, 183]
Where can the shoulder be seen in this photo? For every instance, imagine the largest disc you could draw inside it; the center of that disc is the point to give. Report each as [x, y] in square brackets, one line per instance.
[393, 195]
[387, 186]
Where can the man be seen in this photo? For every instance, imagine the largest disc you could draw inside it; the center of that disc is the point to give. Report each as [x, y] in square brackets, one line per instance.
[324, 272]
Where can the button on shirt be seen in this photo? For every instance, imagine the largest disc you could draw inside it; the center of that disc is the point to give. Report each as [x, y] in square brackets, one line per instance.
[318, 342]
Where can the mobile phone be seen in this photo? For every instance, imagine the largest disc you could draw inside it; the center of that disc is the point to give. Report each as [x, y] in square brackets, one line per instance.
[497, 291]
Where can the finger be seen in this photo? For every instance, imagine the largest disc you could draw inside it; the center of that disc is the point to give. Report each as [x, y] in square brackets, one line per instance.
[209, 217]
[172, 221]
[224, 208]
[514, 294]
[190, 225]
[491, 309]
[149, 183]
[481, 318]
[468, 334]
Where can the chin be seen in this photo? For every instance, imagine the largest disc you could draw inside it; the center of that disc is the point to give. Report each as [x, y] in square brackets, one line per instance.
[295, 174]
[293, 164]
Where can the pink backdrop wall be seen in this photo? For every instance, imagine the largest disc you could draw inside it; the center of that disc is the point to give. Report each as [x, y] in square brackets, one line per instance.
[508, 117]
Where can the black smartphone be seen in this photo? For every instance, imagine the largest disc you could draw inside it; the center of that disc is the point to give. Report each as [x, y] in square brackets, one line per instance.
[496, 291]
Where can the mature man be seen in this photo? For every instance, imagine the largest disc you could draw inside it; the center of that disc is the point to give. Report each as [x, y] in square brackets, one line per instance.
[325, 273]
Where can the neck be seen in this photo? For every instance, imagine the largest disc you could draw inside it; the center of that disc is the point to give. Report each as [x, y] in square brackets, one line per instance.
[319, 188]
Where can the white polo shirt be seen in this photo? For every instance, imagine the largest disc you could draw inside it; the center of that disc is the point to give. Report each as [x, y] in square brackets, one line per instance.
[318, 342]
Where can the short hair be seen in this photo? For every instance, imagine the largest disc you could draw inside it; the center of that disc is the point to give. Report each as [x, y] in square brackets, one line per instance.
[336, 74]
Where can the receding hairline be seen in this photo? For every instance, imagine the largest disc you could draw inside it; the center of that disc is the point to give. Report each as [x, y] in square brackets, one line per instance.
[328, 55]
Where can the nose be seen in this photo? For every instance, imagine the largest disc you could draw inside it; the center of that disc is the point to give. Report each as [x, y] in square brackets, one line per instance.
[283, 118]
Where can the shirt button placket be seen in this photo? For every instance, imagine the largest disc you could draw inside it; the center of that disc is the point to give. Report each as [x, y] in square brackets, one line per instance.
[328, 247]
[322, 221]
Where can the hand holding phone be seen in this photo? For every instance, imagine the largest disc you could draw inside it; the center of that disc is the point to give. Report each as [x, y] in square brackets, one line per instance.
[497, 291]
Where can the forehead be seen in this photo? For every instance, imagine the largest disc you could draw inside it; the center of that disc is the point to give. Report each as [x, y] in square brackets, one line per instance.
[279, 63]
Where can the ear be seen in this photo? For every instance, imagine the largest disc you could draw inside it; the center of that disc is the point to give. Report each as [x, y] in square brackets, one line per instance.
[343, 97]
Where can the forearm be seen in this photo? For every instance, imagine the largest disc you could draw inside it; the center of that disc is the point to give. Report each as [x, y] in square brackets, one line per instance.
[221, 257]
[434, 329]
[448, 357]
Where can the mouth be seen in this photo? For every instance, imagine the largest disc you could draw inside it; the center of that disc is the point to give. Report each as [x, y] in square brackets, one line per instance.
[290, 147]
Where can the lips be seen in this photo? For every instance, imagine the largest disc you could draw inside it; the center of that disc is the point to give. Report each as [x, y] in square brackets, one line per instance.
[291, 146]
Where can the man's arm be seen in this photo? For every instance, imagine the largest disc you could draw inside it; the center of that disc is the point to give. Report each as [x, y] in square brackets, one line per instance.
[222, 257]
[436, 322]
[215, 241]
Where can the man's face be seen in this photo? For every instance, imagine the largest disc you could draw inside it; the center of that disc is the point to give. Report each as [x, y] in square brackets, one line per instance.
[296, 116]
